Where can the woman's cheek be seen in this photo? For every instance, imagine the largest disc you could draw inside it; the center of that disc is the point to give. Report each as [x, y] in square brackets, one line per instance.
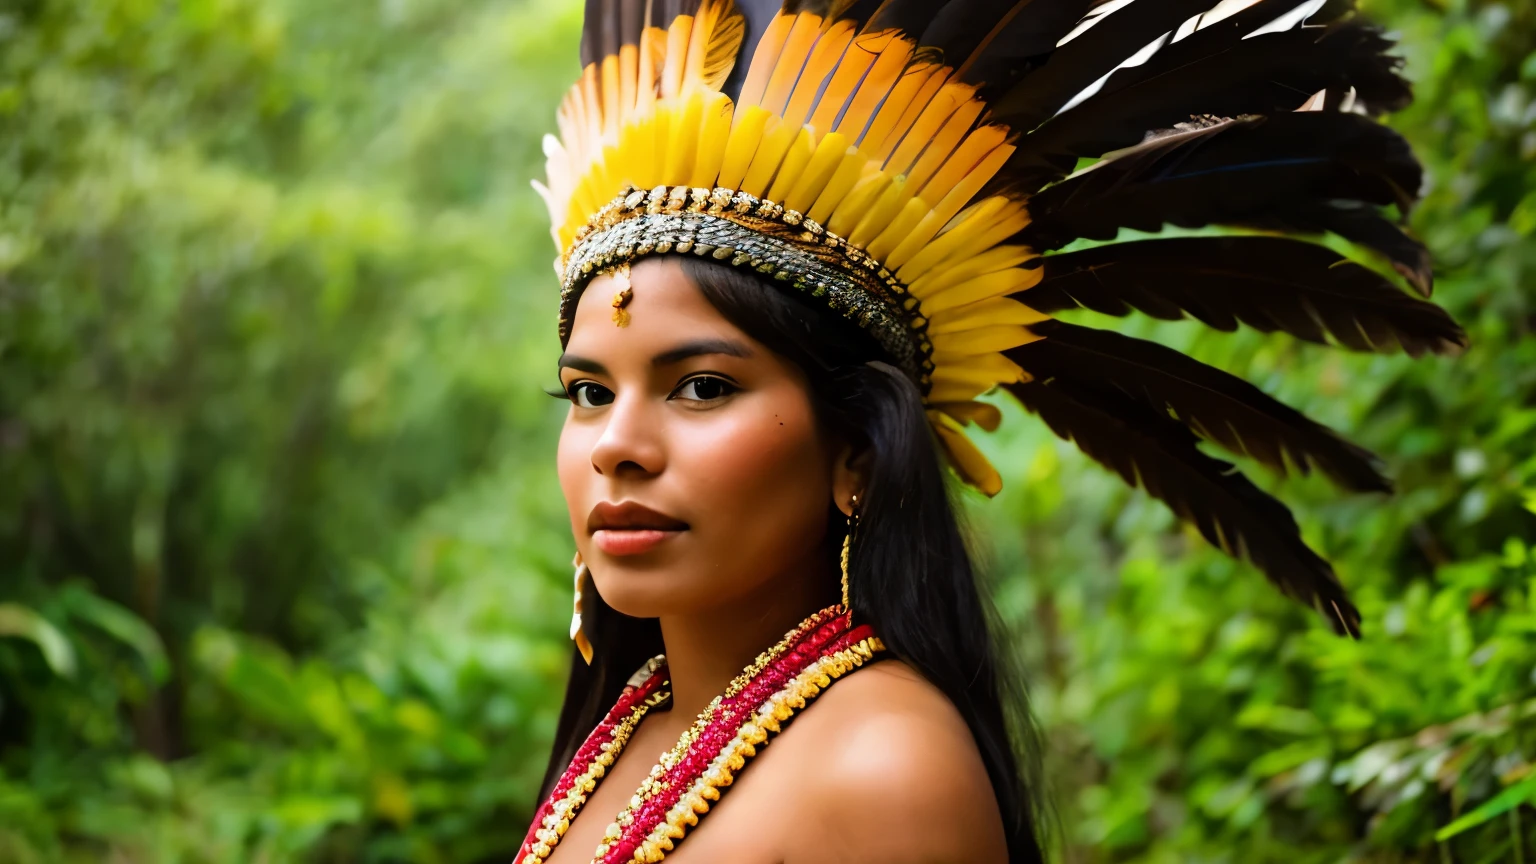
[573, 464]
[756, 475]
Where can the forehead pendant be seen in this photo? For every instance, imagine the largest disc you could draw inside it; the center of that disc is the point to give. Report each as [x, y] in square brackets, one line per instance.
[623, 296]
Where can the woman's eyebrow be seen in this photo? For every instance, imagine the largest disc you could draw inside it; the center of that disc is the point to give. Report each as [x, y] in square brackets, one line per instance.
[580, 364]
[687, 350]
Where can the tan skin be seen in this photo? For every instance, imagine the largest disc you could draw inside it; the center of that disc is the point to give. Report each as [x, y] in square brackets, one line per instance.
[683, 413]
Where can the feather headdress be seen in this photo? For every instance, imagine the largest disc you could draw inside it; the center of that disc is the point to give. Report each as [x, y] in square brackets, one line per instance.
[911, 164]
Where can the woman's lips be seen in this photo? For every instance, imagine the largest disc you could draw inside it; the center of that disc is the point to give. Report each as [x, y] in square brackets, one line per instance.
[630, 528]
[617, 542]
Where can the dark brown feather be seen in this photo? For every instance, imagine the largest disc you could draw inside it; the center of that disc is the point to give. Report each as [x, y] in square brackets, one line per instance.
[1163, 457]
[1216, 72]
[1305, 173]
[1214, 404]
[1089, 56]
[1267, 283]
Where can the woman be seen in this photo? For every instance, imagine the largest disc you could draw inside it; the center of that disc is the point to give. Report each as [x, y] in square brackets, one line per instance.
[775, 335]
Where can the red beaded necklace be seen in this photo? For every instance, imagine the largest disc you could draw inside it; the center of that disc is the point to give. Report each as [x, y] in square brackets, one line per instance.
[681, 787]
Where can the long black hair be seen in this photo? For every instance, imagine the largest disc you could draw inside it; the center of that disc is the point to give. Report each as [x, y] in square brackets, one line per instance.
[911, 576]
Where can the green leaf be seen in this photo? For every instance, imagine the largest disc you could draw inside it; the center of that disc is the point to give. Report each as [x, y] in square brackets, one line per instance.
[125, 627]
[1521, 793]
[23, 623]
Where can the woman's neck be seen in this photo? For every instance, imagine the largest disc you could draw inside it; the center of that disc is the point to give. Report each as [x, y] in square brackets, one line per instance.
[706, 649]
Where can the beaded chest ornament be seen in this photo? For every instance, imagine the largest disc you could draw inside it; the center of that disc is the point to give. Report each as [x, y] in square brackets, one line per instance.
[691, 776]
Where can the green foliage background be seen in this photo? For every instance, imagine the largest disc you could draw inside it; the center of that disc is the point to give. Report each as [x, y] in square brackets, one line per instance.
[283, 561]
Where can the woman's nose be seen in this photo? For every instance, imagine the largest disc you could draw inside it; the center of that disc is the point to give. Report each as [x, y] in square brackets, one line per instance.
[632, 441]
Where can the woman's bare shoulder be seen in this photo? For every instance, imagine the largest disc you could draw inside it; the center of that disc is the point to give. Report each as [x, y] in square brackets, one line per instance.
[893, 774]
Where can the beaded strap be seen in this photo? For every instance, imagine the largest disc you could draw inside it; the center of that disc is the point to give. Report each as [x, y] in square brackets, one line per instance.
[644, 691]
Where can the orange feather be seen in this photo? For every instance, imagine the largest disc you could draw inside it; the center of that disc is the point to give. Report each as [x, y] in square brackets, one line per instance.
[877, 84]
[953, 99]
[906, 116]
[856, 61]
[829, 50]
[764, 59]
[612, 112]
[629, 58]
[792, 60]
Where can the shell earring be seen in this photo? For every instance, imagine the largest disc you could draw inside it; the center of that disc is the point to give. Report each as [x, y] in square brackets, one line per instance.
[582, 577]
[853, 523]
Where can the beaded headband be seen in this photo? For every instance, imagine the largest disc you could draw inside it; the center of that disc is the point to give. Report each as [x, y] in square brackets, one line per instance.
[745, 231]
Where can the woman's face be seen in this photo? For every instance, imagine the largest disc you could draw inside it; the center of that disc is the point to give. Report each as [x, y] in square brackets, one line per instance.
[691, 462]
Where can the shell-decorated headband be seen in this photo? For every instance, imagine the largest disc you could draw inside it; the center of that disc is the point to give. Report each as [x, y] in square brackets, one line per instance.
[910, 163]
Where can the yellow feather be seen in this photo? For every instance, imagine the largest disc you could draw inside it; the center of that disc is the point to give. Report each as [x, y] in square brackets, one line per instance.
[678, 35]
[845, 215]
[1000, 337]
[950, 208]
[983, 414]
[775, 142]
[793, 166]
[972, 153]
[742, 145]
[716, 130]
[718, 30]
[940, 279]
[836, 189]
[638, 144]
[829, 50]
[656, 168]
[998, 284]
[971, 376]
[792, 59]
[724, 44]
[682, 148]
[978, 235]
[901, 227]
[967, 461]
[984, 313]
[886, 208]
[996, 365]
[764, 58]
[958, 391]
[817, 172]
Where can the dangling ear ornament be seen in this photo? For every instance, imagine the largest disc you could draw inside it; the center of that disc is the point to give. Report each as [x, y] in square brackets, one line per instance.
[853, 523]
[578, 635]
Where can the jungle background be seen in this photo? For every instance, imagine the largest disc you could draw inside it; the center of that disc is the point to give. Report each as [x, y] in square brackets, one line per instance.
[284, 566]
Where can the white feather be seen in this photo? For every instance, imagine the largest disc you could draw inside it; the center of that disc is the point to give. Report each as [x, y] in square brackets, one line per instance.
[1137, 59]
[1093, 18]
[1290, 20]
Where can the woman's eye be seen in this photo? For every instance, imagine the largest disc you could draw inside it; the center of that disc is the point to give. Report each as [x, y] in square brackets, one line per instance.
[705, 389]
[586, 394]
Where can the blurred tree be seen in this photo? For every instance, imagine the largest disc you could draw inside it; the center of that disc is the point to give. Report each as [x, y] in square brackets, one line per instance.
[282, 558]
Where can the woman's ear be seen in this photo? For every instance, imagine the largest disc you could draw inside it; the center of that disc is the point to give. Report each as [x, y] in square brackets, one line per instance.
[850, 471]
